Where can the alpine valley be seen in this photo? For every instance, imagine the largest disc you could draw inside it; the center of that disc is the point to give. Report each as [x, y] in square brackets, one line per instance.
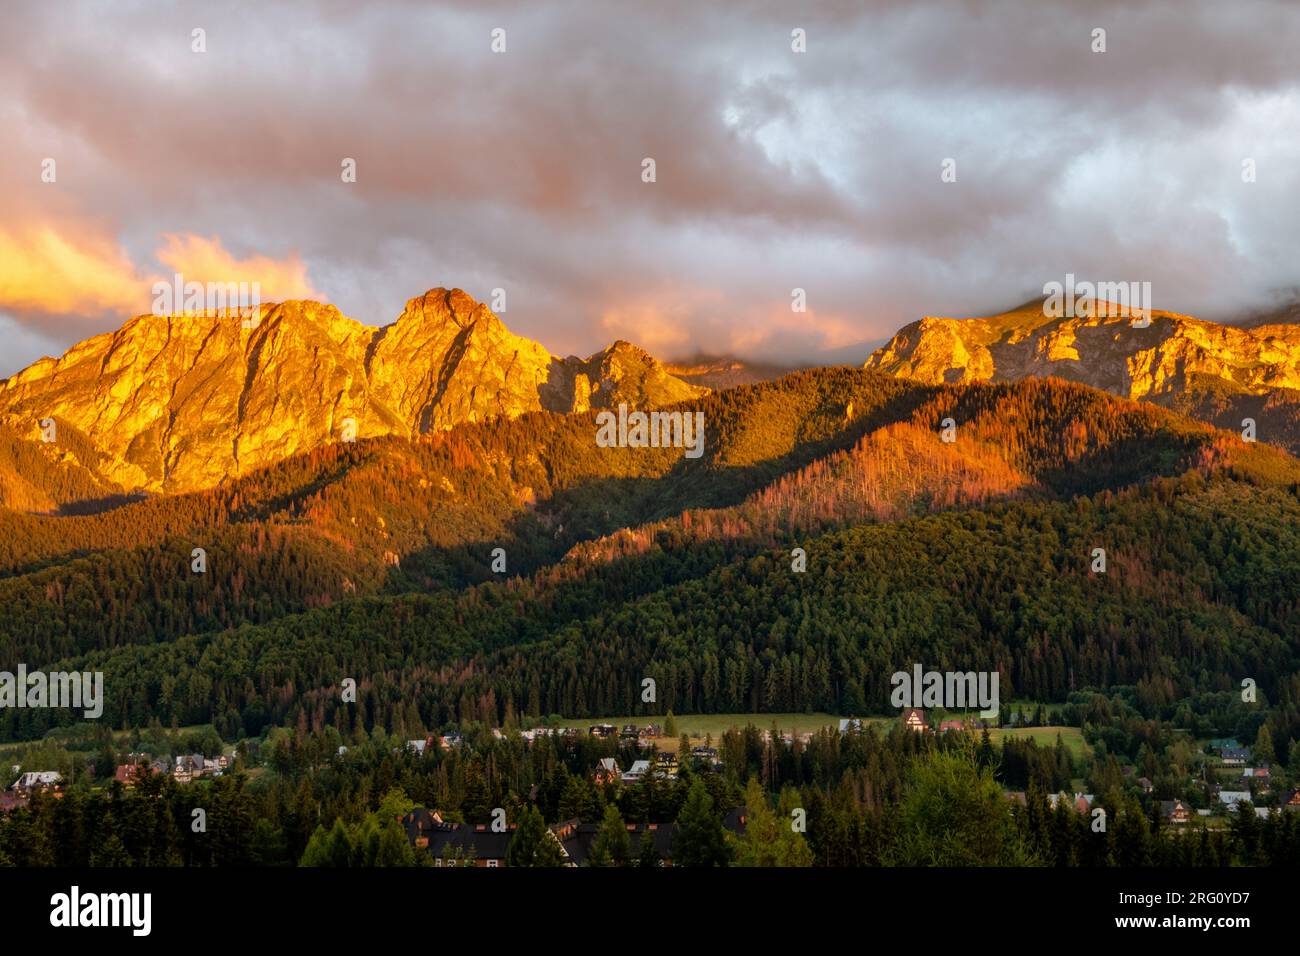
[474, 559]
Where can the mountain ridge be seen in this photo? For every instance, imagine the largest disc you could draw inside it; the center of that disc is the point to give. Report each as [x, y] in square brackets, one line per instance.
[181, 402]
[1217, 372]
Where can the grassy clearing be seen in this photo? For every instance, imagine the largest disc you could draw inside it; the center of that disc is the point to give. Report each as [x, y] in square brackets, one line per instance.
[1072, 737]
[698, 726]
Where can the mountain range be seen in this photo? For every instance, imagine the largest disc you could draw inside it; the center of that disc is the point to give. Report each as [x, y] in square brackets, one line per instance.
[180, 403]
[177, 403]
[382, 557]
[1219, 373]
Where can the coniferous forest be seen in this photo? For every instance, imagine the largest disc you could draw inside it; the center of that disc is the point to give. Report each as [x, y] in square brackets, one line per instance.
[354, 604]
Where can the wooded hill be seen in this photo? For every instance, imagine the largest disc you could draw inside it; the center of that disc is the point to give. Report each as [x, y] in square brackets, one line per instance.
[968, 555]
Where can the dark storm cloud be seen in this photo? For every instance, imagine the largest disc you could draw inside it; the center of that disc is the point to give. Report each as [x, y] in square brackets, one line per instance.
[775, 170]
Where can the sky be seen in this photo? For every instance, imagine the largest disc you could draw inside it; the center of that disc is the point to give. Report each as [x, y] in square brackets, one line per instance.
[523, 169]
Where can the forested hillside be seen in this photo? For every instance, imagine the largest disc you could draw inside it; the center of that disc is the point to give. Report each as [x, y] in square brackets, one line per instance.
[361, 561]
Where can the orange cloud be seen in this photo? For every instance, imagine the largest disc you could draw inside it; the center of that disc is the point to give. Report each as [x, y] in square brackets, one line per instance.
[825, 330]
[201, 259]
[649, 326]
[42, 271]
[73, 271]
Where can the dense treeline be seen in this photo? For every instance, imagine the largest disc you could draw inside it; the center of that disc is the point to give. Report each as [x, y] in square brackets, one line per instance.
[867, 800]
[1201, 592]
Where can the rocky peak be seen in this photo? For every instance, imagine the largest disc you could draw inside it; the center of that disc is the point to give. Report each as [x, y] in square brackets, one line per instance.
[180, 402]
[1104, 351]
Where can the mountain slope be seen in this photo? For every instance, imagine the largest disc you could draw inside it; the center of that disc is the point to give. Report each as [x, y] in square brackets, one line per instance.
[1104, 352]
[177, 403]
[1220, 373]
[784, 461]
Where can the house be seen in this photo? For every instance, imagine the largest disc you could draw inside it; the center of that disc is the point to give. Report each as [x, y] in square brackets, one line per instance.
[635, 772]
[1079, 802]
[462, 844]
[1291, 800]
[851, 724]
[188, 767]
[707, 756]
[450, 844]
[418, 823]
[1234, 756]
[1175, 811]
[129, 774]
[1232, 798]
[629, 732]
[1260, 777]
[953, 726]
[652, 731]
[1145, 784]
[417, 746]
[475, 844]
[1016, 796]
[576, 837]
[37, 781]
[602, 730]
[914, 719]
[606, 771]
[666, 764]
[447, 741]
[538, 733]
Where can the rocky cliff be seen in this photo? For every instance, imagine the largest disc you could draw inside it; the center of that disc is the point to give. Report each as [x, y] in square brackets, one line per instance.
[181, 402]
[1105, 352]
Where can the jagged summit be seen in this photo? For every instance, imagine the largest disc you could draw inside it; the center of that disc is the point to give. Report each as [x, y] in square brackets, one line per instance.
[180, 402]
[1107, 352]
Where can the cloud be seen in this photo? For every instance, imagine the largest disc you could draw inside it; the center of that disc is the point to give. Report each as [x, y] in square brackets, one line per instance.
[79, 283]
[45, 273]
[204, 260]
[775, 170]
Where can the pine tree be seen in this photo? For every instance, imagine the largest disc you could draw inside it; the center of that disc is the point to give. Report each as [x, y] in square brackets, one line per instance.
[701, 840]
[611, 846]
[1263, 749]
[533, 844]
[647, 855]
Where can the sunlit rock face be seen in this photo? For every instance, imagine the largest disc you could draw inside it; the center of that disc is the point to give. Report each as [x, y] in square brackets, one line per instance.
[1106, 352]
[182, 402]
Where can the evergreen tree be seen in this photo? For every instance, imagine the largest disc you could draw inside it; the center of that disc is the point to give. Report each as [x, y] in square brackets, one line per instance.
[1263, 749]
[647, 855]
[611, 846]
[533, 844]
[701, 840]
[954, 814]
